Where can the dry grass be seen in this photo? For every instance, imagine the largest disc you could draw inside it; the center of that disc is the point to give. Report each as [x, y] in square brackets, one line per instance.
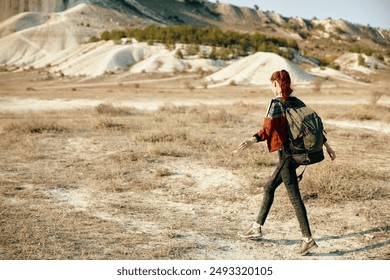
[361, 112]
[118, 183]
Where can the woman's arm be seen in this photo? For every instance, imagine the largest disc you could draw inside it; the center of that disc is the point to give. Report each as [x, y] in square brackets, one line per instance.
[247, 143]
[330, 151]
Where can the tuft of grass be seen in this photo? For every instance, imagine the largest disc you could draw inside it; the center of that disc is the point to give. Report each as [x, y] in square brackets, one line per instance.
[344, 182]
[35, 126]
[163, 172]
[109, 124]
[167, 149]
[172, 109]
[369, 112]
[360, 112]
[162, 136]
[219, 116]
[111, 110]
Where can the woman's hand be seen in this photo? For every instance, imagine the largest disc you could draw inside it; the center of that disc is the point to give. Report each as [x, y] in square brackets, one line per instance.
[330, 151]
[247, 143]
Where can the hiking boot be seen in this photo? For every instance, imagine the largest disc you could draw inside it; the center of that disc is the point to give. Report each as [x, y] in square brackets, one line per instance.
[252, 233]
[307, 247]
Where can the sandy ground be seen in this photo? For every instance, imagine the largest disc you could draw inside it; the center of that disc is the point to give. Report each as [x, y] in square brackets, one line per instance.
[188, 218]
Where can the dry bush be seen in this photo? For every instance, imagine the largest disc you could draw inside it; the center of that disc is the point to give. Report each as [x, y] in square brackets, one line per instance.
[111, 110]
[219, 116]
[163, 172]
[359, 112]
[241, 107]
[131, 171]
[172, 109]
[35, 125]
[170, 135]
[232, 83]
[344, 182]
[109, 124]
[368, 112]
[29, 148]
[375, 96]
[169, 149]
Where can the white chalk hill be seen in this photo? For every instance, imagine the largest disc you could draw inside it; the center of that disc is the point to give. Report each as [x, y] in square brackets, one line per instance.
[257, 69]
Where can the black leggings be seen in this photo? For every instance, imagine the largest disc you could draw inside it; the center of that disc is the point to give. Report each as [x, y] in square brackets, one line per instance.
[285, 172]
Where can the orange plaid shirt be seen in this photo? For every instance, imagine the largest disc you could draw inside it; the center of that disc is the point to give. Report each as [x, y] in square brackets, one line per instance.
[274, 128]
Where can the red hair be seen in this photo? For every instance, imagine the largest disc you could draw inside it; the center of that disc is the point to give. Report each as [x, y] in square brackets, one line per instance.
[284, 81]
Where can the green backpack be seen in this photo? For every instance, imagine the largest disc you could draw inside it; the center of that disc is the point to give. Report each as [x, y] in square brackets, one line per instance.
[305, 132]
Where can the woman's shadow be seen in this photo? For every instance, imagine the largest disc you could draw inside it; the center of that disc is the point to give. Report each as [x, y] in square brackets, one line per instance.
[335, 237]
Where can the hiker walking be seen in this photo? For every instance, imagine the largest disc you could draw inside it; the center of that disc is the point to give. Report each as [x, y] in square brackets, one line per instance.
[276, 132]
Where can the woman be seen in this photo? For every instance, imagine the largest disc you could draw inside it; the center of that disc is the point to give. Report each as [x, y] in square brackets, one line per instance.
[274, 131]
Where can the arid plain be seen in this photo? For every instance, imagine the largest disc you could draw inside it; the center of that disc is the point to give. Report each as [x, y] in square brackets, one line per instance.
[142, 167]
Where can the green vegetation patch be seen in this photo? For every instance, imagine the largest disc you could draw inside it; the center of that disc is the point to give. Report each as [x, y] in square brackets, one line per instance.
[235, 43]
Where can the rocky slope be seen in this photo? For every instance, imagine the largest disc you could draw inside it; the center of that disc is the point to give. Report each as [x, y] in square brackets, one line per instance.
[51, 34]
[204, 13]
[10, 8]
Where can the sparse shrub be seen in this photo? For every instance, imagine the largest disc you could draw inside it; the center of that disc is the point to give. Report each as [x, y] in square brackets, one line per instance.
[361, 60]
[163, 172]
[375, 96]
[109, 109]
[371, 111]
[232, 83]
[355, 49]
[334, 66]
[326, 61]
[341, 182]
[368, 52]
[36, 126]
[192, 49]
[168, 150]
[172, 109]
[217, 117]
[380, 57]
[339, 30]
[320, 27]
[163, 136]
[109, 124]
[179, 54]
[30, 148]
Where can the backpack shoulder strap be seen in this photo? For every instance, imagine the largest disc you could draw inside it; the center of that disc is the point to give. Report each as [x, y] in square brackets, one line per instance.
[293, 102]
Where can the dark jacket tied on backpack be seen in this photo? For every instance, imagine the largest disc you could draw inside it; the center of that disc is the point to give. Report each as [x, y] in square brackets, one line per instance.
[274, 128]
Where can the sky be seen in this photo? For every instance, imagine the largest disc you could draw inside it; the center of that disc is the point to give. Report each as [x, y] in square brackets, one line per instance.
[375, 13]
